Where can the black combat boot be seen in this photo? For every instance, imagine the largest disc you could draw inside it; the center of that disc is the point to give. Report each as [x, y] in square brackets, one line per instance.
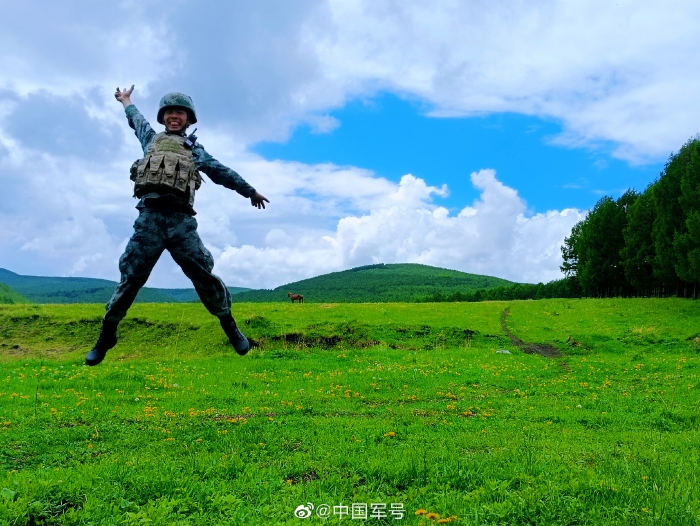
[107, 340]
[235, 336]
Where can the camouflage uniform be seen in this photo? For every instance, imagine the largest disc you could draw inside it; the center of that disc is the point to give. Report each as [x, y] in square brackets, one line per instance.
[166, 222]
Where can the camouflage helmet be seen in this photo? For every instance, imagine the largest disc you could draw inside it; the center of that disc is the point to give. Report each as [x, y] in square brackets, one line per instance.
[179, 100]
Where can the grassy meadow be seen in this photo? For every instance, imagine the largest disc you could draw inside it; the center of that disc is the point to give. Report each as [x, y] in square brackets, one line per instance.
[406, 406]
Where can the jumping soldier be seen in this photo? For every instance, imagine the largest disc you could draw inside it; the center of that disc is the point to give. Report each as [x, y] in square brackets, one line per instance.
[165, 182]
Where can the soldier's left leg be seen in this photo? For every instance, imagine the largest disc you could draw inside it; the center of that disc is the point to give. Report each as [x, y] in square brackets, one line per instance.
[188, 251]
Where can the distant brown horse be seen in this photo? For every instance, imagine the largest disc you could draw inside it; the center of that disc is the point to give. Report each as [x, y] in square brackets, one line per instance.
[296, 297]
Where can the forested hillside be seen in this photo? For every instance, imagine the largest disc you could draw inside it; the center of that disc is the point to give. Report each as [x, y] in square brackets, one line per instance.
[642, 244]
[42, 289]
[378, 283]
[8, 295]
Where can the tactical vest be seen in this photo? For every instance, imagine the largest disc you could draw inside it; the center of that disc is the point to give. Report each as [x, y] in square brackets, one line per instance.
[166, 167]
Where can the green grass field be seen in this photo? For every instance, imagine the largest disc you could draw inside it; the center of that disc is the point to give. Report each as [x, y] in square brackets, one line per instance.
[8, 295]
[408, 406]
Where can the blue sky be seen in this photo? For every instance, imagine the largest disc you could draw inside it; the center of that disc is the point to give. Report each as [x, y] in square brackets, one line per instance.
[354, 117]
[393, 137]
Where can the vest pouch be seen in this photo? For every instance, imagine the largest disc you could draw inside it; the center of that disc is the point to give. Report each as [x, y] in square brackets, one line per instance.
[155, 162]
[170, 168]
[140, 174]
[133, 171]
[186, 168]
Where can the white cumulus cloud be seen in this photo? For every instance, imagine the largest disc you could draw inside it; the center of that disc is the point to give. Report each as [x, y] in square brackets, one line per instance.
[493, 236]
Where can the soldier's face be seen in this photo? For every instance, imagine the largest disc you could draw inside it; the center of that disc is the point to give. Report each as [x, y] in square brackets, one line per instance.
[175, 119]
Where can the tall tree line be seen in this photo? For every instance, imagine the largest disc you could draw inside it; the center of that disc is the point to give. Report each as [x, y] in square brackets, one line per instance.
[642, 244]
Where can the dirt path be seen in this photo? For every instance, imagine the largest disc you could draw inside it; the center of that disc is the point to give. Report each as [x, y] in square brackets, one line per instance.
[543, 349]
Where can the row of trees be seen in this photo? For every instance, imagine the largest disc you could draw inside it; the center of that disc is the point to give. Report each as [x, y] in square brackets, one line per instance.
[642, 244]
[561, 288]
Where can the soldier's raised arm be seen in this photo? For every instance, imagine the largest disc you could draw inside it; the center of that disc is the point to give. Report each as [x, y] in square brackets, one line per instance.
[142, 128]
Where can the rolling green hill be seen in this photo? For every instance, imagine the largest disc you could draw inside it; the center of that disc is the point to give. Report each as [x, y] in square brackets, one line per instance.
[377, 283]
[8, 295]
[41, 289]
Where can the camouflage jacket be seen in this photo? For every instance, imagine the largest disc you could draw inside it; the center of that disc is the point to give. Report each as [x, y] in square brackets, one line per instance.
[204, 162]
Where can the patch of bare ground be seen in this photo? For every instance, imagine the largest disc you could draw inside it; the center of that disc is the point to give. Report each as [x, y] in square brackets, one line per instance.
[17, 350]
[303, 479]
[543, 349]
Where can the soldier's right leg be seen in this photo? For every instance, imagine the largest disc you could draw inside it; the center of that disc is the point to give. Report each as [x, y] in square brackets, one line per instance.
[140, 256]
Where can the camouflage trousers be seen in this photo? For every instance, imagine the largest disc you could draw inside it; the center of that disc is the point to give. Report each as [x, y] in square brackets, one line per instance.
[155, 231]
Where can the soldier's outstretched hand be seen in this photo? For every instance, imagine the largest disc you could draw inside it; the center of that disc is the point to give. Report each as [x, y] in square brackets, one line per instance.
[258, 200]
[124, 96]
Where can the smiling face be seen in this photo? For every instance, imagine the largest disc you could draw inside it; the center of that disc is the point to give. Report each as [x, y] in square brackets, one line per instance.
[175, 119]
